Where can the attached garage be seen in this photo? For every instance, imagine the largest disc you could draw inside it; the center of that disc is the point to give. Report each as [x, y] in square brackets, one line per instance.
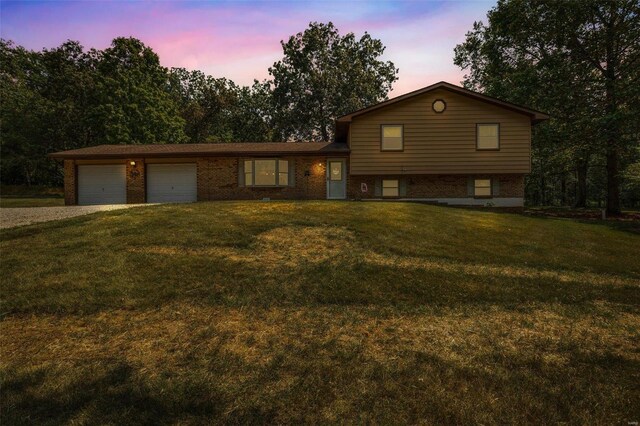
[172, 183]
[102, 184]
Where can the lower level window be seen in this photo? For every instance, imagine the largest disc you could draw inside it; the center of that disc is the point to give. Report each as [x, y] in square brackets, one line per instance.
[482, 188]
[390, 188]
[266, 172]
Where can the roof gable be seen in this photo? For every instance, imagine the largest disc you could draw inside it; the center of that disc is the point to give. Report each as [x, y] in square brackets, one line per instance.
[536, 116]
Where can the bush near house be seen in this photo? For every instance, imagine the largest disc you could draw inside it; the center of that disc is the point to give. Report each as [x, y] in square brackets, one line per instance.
[317, 312]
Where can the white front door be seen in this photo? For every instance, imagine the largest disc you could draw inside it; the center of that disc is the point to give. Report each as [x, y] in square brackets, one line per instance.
[102, 184]
[172, 183]
[336, 179]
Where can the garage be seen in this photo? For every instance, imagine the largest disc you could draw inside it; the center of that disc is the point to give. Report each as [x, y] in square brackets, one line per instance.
[102, 184]
[171, 183]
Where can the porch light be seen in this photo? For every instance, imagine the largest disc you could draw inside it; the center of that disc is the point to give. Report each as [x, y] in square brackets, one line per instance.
[133, 163]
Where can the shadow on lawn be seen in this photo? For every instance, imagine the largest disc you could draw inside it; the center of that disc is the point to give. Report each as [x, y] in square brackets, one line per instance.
[327, 380]
[105, 396]
[335, 282]
[223, 282]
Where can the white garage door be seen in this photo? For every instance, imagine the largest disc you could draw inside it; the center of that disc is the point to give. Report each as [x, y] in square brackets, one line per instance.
[102, 184]
[171, 183]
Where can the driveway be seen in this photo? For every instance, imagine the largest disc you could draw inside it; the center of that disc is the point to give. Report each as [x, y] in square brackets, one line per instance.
[12, 217]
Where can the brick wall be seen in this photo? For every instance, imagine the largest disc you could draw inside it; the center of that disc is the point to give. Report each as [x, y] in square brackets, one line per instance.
[437, 186]
[69, 182]
[136, 192]
[512, 186]
[218, 180]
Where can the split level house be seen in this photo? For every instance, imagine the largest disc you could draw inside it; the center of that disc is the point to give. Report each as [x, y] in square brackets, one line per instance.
[441, 143]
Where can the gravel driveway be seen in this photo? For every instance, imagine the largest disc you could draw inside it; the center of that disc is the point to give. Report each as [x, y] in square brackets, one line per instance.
[11, 217]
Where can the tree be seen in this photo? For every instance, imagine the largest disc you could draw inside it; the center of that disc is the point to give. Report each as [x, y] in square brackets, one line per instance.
[204, 103]
[67, 98]
[324, 75]
[578, 60]
[218, 110]
[46, 96]
[253, 114]
[133, 103]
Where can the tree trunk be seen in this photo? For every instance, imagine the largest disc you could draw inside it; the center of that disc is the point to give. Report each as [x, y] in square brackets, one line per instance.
[27, 175]
[563, 190]
[613, 125]
[613, 180]
[543, 192]
[581, 184]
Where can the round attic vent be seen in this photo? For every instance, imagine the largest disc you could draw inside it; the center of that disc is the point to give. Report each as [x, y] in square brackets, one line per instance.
[439, 105]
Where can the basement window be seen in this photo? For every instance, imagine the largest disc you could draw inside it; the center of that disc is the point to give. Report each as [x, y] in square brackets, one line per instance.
[266, 172]
[390, 188]
[482, 188]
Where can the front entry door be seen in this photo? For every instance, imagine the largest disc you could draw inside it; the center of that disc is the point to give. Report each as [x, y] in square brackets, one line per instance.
[336, 179]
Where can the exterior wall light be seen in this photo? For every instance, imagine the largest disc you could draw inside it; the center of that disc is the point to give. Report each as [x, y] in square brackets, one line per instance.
[133, 163]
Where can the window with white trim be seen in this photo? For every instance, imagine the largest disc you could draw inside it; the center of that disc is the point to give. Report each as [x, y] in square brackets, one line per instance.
[390, 188]
[482, 188]
[392, 137]
[266, 172]
[488, 136]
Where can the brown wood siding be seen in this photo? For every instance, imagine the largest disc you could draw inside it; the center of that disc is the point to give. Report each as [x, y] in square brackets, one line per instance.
[442, 143]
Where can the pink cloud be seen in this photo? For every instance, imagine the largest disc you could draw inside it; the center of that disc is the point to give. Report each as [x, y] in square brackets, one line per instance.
[241, 41]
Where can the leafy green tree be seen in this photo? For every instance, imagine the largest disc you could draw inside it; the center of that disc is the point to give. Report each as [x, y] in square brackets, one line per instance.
[205, 103]
[579, 61]
[67, 98]
[133, 103]
[324, 75]
[22, 113]
[45, 98]
[252, 117]
[218, 110]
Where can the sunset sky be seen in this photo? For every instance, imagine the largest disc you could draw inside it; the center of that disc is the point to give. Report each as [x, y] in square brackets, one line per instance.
[240, 40]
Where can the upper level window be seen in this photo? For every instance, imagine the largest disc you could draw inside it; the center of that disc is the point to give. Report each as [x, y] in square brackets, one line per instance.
[488, 136]
[266, 172]
[392, 137]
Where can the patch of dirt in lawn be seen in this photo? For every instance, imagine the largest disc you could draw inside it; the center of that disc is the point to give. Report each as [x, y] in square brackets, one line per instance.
[282, 246]
[293, 245]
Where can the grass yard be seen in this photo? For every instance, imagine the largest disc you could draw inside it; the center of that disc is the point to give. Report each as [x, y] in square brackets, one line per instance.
[34, 196]
[319, 312]
[10, 202]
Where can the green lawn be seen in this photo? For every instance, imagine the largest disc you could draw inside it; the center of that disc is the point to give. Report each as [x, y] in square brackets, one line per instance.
[319, 312]
[33, 196]
[11, 202]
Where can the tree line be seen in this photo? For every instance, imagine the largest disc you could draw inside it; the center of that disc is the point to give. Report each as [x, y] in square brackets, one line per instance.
[68, 97]
[578, 61]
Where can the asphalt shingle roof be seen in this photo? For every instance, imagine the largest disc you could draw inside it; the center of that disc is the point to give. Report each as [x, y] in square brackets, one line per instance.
[205, 149]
